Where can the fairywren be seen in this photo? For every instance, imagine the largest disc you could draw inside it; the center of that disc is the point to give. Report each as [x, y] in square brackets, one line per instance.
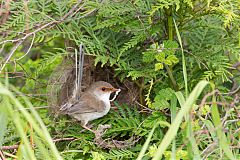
[93, 103]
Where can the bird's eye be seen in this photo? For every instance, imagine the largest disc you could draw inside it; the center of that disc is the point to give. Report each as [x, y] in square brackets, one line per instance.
[103, 89]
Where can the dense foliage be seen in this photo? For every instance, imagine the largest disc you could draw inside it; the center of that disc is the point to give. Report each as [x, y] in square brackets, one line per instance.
[164, 47]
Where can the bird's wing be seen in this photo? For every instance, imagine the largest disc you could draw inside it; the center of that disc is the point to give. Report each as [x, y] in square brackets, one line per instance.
[86, 104]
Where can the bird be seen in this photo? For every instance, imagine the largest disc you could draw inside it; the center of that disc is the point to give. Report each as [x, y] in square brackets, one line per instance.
[94, 103]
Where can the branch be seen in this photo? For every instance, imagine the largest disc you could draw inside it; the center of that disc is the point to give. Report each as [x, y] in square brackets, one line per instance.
[55, 140]
[8, 57]
[49, 24]
[206, 96]
[71, 13]
[2, 157]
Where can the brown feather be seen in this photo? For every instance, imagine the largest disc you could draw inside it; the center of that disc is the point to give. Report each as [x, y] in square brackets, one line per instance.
[88, 103]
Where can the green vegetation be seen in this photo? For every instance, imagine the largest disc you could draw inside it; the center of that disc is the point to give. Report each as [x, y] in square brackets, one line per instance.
[181, 57]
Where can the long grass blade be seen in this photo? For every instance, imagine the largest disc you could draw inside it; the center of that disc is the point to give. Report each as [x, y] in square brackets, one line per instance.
[32, 118]
[220, 134]
[145, 146]
[173, 109]
[192, 145]
[172, 131]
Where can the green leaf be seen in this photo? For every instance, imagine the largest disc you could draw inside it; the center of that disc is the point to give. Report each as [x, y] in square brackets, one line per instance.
[168, 62]
[170, 44]
[160, 57]
[158, 66]
[102, 59]
[222, 139]
[162, 98]
[149, 56]
[145, 146]
[173, 59]
[170, 47]
[155, 118]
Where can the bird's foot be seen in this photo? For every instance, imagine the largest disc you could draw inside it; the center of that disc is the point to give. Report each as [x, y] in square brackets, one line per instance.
[101, 130]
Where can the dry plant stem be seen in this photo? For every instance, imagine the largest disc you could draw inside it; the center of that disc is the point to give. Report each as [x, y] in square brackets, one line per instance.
[110, 143]
[28, 49]
[209, 149]
[141, 88]
[236, 65]
[2, 155]
[144, 107]
[206, 96]
[10, 147]
[11, 155]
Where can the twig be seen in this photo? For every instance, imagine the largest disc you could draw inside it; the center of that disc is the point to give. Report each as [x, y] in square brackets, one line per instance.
[209, 149]
[108, 143]
[49, 24]
[206, 96]
[28, 48]
[10, 147]
[145, 108]
[2, 155]
[236, 65]
[80, 69]
[232, 92]
[238, 130]
[230, 121]
[11, 54]
[11, 155]
[42, 107]
[55, 140]
[69, 14]
[64, 139]
[31, 33]
[219, 103]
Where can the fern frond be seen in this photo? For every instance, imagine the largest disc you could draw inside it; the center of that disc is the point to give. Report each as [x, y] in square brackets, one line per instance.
[131, 43]
[120, 154]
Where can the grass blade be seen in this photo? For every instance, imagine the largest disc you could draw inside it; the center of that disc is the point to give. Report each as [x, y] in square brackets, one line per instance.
[21, 120]
[173, 116]
[220, 134]
[145, 146]
[172, 131]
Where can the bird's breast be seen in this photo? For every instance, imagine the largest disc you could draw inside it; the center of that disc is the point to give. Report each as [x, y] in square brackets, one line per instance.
[107, 107]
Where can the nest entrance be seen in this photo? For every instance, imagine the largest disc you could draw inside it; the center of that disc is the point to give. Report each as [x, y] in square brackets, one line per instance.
[62, 82]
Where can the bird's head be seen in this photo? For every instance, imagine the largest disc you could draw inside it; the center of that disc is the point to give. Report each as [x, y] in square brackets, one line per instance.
[101, 88]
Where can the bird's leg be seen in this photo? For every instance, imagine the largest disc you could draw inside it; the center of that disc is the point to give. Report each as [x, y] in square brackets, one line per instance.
[84, 125]
[87, 128]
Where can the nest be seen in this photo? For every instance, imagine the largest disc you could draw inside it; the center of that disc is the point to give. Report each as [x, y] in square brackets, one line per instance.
[62, 84]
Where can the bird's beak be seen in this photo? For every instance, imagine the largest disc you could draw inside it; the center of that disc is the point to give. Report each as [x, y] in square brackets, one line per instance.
[115, 90]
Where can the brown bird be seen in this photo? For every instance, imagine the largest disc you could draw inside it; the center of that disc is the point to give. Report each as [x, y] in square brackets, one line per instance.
[93, 103]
